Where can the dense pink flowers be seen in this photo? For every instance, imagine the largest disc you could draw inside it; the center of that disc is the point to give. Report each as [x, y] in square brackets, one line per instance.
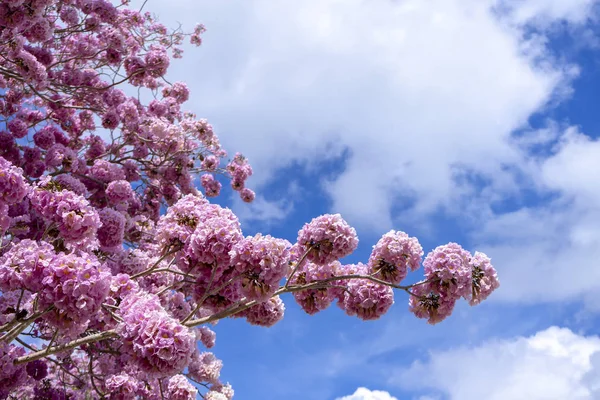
[366, 299]
[327, 238]
[240, 171]
[317, 299]
[215, 235]
[179, 388]
[177, 225]
[76, 287]
[426, 302]
[11, 375]
[267, 313]
[452, 273]
[13, 187]
[393, 255]
[110, 234]
[119, 192]
[122, 386]
[207, 336]
[447, 267]
[25, 266]
[76, 220]
[205, 367]
[157, 343]
[263, 262]
[211, 186]
[484, 279]
[247, 195]
[210, 163]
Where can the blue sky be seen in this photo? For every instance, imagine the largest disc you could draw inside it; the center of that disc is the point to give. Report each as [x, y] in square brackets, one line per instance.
[453, 120]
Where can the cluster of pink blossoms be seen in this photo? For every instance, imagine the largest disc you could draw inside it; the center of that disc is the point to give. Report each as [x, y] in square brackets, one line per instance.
[327, 238]
[111, 255]
[451, 273]
[160, 345]
[261, 261]
[393, 255]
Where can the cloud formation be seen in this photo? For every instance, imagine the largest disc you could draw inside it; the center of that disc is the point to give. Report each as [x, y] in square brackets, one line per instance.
[550, 251]
[412, 89]
[553, 364]
[366, 394]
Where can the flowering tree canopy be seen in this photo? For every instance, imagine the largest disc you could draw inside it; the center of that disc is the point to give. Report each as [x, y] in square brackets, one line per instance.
[113, 264]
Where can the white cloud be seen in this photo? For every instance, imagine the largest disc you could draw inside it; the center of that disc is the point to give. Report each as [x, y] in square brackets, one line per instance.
[411, 88]
[544, 12]
[550, 252]
[261, 210]
[366, 394]
[552, 364]
[574, 167]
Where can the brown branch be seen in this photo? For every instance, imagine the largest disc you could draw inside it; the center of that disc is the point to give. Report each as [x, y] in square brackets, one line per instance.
[67, 346]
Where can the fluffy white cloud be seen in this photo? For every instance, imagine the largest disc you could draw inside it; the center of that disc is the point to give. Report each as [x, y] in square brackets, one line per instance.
[412, 89]
[575, 168]
[552, 364]
[551, 251]
[543, 12]
[366, 394]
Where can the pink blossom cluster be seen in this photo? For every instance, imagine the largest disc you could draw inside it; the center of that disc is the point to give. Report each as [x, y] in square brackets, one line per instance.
[262, 262]
[484, 279]
[366, 299]
[13, 187]
[71, 214]
[11, 375]
[158, 344]
[267, 313]
[73, 286]
[318, 299]
[180, 221]
[451, 273]
[213, 239]
[393, 255]
[327, 238]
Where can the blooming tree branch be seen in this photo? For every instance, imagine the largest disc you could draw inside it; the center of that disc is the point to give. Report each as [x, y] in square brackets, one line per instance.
[112, 258]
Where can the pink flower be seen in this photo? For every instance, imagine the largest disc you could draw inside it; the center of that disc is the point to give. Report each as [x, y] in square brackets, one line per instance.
[484, 279]
[263, 262]
[111, 233]
[448, 268]
[179, 388]
[211, 186]
[11, 375]
[427, 302]
[210, 163]
[393, 255]
[17, 127]
[205, 367]
[216, 234]
[267, 313]
[247, 195]
[157, 344]
[44, 138]
[366, 299]
[327, 238]
[119, 192]
[207, 336]
[318, 299]
[13, 187]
